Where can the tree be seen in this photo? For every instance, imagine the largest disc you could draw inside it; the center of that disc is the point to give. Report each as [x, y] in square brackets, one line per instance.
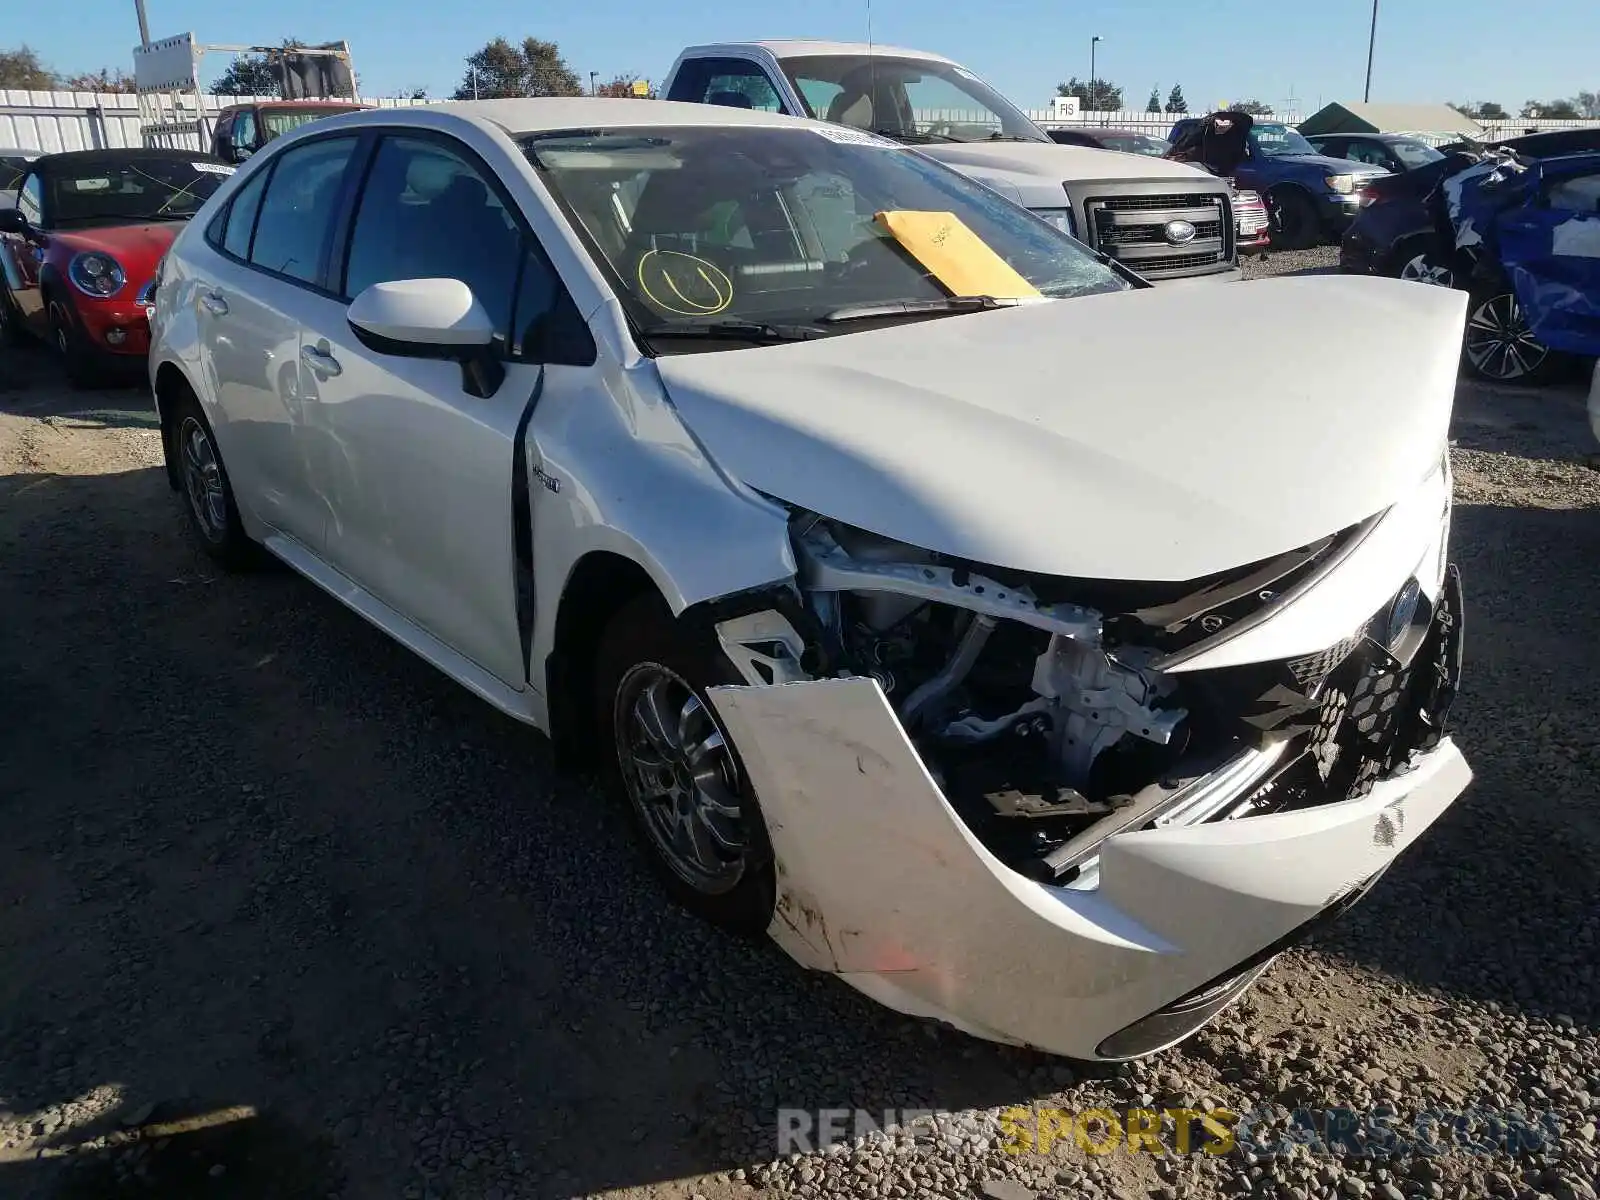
[1175, 101]
[534, 68]
[1254, 107]
[1094, 95]
[1560, 110]
[1490, 111]
[1153, 105]
[621, 87]
[21, 69]
[252, 75]
[103, 80]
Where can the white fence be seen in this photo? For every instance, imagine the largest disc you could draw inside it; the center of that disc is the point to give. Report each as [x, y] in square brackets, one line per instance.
[55, 121]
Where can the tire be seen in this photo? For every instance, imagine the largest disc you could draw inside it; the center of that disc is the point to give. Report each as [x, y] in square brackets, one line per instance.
[208, 502]
[1298, 227]
[1420, 268]
[1498, 346]
[80, 361]
[715, 864]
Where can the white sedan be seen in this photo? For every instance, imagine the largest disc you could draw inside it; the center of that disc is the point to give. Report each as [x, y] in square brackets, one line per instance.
[933, 596]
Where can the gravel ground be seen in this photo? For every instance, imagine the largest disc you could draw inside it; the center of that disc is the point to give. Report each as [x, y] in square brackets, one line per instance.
[284, 913]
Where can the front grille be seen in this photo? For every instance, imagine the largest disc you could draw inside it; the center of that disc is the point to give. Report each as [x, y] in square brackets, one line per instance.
[1139, 203]
[1160, 266]
[1130, 235]
[1133, 230]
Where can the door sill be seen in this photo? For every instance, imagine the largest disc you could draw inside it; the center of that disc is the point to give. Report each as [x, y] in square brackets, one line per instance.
[527, 706]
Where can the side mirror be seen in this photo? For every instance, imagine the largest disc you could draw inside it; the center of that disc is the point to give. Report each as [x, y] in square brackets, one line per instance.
[240, 153]
[431, 318]
[12, 221]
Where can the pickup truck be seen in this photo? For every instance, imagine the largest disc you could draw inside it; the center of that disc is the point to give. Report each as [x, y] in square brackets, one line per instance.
[1165, 221]
[242, 129]
[1316, 197]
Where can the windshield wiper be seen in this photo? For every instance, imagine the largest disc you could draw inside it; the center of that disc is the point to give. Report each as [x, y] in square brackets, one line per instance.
[738, 331]
[912, 138]
[911, 308]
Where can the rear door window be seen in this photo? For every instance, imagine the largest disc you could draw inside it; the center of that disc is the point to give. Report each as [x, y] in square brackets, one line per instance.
[295, 224]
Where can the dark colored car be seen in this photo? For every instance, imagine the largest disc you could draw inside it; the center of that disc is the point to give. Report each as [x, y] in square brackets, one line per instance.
[242, 129]
[1392, 151]
[1128, 141]
[79, 249]
[1313, 196]
[1393, 227]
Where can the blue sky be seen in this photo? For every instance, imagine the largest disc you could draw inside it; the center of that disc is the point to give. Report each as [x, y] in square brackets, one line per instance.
[1225, 50]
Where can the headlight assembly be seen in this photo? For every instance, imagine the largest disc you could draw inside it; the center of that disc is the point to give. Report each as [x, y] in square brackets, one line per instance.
[1343, 184]
[96, 274]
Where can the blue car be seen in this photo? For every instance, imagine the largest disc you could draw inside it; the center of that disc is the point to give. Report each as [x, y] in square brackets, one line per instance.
[1313, 197]
[1523, 237]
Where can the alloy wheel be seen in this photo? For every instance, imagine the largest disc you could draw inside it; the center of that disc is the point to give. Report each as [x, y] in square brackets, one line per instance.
[681, 776]
[202, 480]
[1499, 344]
[1421, 270]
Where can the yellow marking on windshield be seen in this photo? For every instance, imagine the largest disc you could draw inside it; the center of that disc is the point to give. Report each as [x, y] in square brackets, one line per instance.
[962, 262]
[698, 288]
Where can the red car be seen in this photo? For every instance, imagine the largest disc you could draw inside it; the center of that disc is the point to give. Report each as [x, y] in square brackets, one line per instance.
[79, 249]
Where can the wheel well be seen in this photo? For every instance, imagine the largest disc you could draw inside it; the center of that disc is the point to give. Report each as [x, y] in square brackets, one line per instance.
[171, 386]
[597, 589]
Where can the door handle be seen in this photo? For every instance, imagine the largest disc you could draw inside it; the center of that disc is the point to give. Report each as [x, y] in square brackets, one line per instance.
[320, 361]
[214, 304]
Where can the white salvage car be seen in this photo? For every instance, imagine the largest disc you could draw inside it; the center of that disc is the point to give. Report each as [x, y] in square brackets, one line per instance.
[934, 597]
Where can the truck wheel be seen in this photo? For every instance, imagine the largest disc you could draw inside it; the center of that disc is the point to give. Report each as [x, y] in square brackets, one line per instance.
[1499, 345]
[670, 762]
[1298, 227]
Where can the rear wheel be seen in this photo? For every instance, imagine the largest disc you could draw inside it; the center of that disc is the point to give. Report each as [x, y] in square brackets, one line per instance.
[208, 495]
[1297, 226]
[1499, 345]
[671, 763]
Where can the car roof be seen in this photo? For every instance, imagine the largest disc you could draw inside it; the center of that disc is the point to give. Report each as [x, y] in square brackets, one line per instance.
[1121, 131]
[71, 160]
[297, 104]
[521, 116]
[809, 48]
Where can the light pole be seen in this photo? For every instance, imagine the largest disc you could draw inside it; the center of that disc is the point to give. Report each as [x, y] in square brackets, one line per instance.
[1093, 80]
[144, 25]
[1372, 41]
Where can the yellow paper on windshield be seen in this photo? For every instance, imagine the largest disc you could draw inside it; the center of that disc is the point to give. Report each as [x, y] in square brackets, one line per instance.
[959, 259]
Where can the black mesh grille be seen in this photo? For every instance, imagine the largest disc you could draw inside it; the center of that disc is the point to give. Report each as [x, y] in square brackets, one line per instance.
[1131, 235]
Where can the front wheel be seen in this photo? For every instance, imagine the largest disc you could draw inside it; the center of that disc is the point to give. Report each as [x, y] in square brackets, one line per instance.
[1499, 345]
[1298, 227]
[81, 361]
[672, 764]
[1420, 268]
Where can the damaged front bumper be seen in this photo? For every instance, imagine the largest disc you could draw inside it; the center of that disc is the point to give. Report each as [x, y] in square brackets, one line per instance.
[1163, 924]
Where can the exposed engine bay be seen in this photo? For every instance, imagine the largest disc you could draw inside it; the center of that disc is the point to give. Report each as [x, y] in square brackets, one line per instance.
[1045, 708]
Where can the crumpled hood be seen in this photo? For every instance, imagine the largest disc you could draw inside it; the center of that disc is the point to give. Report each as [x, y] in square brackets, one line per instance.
[1108, 436]
[1057, 162]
